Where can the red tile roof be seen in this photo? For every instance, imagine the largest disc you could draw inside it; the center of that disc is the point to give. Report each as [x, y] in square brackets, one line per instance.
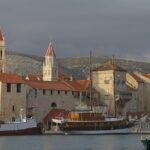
[110, 66]
[50, 50]
[49, 85]
[80, 85]
[10, 78]
[55, 114]
[1, 36]
[76, 85]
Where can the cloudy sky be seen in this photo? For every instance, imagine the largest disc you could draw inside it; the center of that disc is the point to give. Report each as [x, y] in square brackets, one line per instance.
[119, 27]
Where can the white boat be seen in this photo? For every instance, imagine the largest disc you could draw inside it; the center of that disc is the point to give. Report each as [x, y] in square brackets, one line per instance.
[20, 128]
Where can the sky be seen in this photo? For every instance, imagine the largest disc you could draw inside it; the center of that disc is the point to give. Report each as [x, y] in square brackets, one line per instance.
[76, 27]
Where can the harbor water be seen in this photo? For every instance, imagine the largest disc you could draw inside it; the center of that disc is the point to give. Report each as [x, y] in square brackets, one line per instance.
[71, 142]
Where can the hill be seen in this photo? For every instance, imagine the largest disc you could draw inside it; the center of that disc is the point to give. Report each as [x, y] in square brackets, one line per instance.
[77, 66]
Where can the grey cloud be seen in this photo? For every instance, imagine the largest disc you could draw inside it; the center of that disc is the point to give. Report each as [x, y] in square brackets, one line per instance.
[77, 26]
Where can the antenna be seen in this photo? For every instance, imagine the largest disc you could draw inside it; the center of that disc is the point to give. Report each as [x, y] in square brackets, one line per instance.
[91, 79]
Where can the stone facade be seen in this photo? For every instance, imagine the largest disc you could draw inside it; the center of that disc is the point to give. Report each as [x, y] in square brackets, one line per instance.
[110, 81]
[41, 102]
[12, 97]
[2, 52]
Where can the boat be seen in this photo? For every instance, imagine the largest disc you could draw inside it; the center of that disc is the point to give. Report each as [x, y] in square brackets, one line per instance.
[146, 143]
[92, 123]
[29, 127]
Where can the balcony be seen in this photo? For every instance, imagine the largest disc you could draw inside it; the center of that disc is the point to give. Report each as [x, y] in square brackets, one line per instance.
[122, 95]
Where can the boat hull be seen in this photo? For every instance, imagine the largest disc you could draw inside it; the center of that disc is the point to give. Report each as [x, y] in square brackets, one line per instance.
[146, 143]
[99, 132]
[28, 131]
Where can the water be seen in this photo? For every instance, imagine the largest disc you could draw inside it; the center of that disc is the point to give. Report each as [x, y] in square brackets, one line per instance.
[68, 142]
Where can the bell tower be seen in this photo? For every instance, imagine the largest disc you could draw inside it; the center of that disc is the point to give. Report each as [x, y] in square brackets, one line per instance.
[50, 67]
[2, 52]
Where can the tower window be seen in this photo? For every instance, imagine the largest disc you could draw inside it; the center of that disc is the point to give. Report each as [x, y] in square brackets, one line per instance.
[1, 53]
[8, 87]
[13, 108]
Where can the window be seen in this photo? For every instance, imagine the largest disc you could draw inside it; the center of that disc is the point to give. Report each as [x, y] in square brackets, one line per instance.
[72, 92]
[106, 81]
[35, 90]
[58, 92]
[1, 53]
[66, 92]
[51, 92]
[53, 105]
[13, 108]
[8, 87]
[44, 91]
[18, 88]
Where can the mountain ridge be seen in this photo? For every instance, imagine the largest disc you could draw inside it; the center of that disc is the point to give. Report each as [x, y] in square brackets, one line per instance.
[78, 67]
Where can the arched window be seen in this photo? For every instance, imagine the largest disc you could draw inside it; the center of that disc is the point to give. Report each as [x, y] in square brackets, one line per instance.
[53, 105]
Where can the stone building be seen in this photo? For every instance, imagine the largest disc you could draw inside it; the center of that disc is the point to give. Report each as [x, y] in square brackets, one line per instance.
[136, 86]
[44, 96]
[110, 81]
[12, 97]
[2, 52]
[146, 89]
[52, 89]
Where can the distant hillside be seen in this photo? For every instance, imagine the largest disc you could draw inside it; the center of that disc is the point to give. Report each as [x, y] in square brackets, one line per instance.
[77, 66]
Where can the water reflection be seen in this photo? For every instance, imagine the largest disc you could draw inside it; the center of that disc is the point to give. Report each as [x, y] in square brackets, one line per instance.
[52, 142]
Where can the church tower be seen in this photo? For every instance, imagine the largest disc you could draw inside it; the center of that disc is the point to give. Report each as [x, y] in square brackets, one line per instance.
[2, 52]
[50, 67]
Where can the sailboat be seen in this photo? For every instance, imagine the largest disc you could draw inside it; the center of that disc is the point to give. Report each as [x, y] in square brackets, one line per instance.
[91, 122]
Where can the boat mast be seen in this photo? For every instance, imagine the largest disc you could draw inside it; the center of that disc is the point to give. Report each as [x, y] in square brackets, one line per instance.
[113, 63]
[91, 80]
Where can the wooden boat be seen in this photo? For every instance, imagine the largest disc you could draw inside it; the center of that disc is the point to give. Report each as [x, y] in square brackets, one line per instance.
[93, 123]
[146, 143]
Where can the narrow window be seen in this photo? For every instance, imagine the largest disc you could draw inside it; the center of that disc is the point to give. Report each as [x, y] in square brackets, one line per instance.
[72, 92]
[1, 53]
[8, 87]
[51, 92]
[44, 91]
[35, 92]
[18, 87]
[58, 92]
[13, 108]
[66, 92]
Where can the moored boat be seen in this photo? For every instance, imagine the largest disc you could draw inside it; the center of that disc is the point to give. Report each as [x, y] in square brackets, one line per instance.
[20, 128]
[93, 123]
[146, 143]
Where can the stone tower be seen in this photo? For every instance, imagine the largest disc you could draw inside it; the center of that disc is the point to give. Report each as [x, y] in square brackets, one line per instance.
[50, 67]
[2, 52]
